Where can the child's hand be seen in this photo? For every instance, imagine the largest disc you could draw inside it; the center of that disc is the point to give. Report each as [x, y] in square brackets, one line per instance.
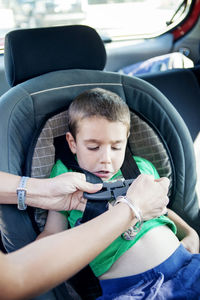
[185, 233]
[191, 241]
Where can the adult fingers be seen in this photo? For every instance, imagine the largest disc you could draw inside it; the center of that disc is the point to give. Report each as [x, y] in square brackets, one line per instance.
[154, 213]
[163, 202]
[82, 204]
[82, 185]
[164, 211]
[164, 182]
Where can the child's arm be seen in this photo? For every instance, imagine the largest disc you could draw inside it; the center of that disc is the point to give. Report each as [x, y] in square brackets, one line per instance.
[186, 234]
[56, 222]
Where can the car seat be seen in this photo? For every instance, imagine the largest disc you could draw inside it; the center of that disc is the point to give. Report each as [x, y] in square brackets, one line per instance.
[47, 68]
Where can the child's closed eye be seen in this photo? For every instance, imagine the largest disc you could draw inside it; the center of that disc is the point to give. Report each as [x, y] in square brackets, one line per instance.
[93, 148]
[116, 146]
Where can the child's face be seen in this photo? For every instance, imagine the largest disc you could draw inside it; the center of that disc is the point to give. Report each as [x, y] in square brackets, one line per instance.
[100, 146]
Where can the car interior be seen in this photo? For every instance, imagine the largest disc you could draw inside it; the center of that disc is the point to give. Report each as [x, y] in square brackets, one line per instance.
[43, 69]
[33, 114]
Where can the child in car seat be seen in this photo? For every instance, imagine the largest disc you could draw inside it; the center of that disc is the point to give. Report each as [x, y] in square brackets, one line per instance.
[149, 261]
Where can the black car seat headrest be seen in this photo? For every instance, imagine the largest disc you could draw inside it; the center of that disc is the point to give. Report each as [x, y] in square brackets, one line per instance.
[33, 52]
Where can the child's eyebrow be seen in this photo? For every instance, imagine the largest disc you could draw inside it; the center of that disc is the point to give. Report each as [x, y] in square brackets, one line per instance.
[91, 140]
[99, 141]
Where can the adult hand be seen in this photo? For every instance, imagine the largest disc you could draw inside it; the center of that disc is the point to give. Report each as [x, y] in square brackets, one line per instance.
[64, 192]
[149, 195]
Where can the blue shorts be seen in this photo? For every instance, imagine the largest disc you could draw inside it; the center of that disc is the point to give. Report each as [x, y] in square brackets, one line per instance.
[176, 278]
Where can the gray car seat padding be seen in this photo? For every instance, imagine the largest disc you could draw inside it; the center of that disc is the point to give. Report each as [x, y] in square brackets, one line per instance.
[38, 99]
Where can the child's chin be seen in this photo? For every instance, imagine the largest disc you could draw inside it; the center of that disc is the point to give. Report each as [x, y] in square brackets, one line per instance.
[106, 178]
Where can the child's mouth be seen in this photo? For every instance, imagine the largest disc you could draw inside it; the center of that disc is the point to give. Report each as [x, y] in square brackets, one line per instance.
[103, 174]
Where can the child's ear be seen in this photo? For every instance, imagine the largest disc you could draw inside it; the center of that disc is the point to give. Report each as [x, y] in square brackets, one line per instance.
[71, 142]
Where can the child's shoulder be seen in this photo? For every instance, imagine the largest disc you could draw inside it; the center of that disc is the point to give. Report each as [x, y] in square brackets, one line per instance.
[58, 169]
[146, 167]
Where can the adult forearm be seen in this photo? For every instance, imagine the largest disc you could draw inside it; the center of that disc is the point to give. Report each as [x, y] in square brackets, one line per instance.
[63, 192]
[8, 186]
[58, 257]
[37, 194]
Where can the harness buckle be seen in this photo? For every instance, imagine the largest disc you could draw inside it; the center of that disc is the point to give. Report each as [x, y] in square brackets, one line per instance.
[110, 190]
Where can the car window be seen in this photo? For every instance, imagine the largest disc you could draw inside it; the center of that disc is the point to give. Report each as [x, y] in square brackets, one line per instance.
[113, 19]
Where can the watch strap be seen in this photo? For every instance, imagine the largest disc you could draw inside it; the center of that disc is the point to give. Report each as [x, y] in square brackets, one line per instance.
[21, 193]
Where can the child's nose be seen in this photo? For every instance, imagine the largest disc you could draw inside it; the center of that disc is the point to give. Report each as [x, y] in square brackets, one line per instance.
[106, 156]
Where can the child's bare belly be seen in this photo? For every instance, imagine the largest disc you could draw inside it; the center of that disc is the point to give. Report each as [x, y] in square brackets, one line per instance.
[151, 250]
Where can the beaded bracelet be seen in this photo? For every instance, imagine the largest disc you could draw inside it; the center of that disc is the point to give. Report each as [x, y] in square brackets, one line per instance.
[133, 230]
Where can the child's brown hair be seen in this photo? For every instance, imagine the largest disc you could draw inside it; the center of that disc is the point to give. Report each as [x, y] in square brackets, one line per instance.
[98, 102]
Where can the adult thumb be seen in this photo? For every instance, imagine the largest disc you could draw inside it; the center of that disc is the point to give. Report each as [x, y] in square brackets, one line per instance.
[89, 187]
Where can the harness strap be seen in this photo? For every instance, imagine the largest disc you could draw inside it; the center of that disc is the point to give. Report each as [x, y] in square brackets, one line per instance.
[129, 168]
[93, 208]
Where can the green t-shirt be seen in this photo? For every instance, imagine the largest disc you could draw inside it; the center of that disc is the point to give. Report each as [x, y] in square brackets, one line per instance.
[105, 259]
